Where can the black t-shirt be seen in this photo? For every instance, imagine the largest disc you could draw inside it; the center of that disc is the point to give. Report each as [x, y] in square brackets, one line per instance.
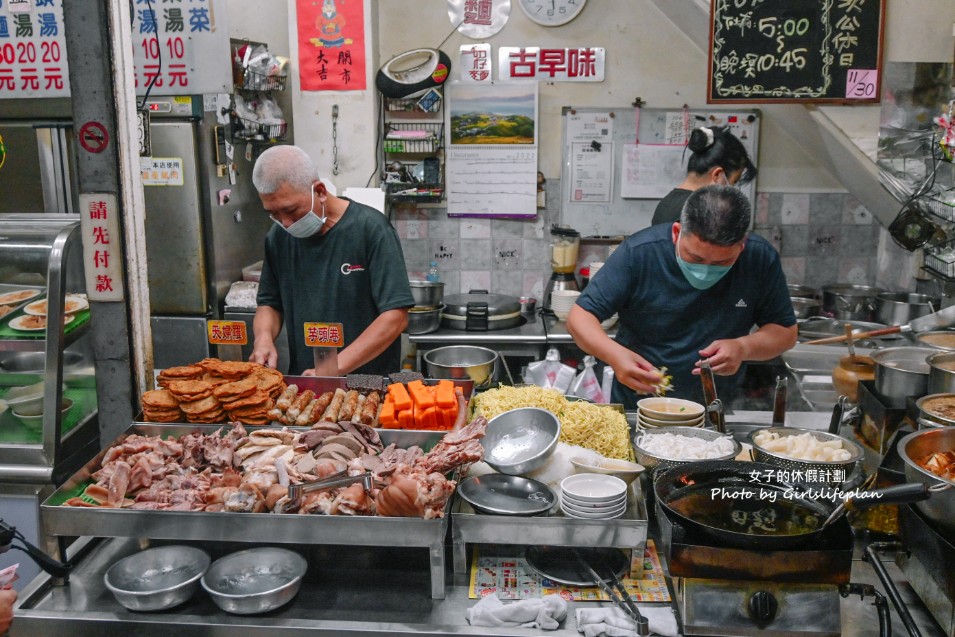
[349, 275]
[670, 207]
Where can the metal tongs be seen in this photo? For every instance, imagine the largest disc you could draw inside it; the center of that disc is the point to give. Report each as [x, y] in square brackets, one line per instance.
[714, 406]
[618, 594]
[340, 479]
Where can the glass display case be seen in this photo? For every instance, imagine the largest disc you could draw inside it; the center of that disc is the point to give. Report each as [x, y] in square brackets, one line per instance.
[48, 409]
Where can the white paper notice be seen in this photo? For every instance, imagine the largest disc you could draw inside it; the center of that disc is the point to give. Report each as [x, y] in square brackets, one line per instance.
[589, 127]
[495, 181]
[650, 171]
[591, 171]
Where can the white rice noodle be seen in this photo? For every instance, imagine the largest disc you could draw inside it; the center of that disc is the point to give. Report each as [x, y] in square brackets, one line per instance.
[678, 447]
[804, 446]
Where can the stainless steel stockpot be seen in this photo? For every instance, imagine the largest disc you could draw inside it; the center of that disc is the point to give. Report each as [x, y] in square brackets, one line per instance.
[902, 371]
[845, 301]
[898, 308]
[941, 376]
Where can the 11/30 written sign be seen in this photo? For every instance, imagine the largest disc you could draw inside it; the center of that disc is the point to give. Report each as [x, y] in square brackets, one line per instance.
[797, 50]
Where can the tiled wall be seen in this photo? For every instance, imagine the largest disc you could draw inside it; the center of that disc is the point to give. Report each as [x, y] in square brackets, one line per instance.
[822, 238]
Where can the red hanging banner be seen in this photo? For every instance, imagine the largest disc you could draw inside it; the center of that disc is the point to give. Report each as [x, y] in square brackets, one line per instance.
[331, 45]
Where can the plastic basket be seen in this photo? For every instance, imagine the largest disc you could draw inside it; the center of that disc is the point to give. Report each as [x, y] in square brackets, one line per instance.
[250, 130]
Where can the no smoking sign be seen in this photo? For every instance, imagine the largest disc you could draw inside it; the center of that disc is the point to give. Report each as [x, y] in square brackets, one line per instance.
[93, 137]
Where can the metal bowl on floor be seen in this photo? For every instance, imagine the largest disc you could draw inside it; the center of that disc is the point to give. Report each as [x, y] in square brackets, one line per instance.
[255, 581]
[157, 578]
[461, 362]
[520, 440]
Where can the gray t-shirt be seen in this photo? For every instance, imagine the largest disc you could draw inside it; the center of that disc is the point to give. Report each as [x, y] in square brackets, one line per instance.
[349, 275]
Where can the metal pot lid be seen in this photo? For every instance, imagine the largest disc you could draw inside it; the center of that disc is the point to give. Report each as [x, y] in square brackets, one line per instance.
[497, 304]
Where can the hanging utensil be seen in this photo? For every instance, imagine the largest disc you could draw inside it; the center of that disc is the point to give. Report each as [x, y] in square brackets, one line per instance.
[838, 413]
[779, 401]
[938, 320]
[618, 594]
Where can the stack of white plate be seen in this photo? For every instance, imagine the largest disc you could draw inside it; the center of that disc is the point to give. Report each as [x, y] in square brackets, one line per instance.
[561, 301]
[593, 496]
[595, 268]
[661, 411]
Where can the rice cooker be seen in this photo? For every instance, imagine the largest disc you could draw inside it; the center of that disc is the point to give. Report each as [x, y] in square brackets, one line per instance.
[480, 311]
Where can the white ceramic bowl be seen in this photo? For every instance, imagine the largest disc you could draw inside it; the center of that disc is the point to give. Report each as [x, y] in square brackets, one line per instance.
[592, 506]
[649, 421]
[593, 487]
[31, 414]
[626, 471]
[603, 515]
[663, 408]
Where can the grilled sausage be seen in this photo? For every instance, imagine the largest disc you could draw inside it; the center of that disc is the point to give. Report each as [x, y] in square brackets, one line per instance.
[285, 400]
[356, 417]
[275, 414]
[349, 406]
[305, 418]
[322, 403]
[331, 412]
[299, 404]
[369, 411]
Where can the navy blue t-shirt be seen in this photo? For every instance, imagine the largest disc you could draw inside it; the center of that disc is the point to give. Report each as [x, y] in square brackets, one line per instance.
[667, 321]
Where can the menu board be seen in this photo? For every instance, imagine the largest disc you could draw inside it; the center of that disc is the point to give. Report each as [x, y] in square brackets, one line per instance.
[795, 51]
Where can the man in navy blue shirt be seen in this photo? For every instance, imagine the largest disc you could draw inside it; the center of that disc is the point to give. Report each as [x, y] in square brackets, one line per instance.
[687, 292]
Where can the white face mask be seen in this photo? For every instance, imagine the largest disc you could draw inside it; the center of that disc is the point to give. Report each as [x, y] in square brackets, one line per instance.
[309, 224]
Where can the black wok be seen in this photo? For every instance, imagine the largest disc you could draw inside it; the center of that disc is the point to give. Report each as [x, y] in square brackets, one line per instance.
[733, 502]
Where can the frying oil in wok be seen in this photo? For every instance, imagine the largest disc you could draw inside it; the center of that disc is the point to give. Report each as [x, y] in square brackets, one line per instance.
[760, 517]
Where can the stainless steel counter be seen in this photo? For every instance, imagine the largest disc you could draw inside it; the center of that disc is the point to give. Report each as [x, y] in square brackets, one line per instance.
[347, 590]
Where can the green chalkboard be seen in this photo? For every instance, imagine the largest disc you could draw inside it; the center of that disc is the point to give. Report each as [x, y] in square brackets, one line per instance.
[795, 50]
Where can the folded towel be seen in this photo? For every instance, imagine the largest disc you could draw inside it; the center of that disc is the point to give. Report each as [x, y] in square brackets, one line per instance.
[613, 622]
[545, 613]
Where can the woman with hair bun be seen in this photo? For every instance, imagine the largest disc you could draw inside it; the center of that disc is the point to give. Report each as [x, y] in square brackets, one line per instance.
[718, 158]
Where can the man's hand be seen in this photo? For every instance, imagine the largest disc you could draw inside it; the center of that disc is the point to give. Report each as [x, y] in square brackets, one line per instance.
[724, 356]
[7, 598]
[635, 372]
[309, 372]
[264, 353]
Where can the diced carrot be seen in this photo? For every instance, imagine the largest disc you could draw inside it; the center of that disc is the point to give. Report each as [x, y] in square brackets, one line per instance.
[400, 396]
[430, 418]
[420, 395]
[406, 419]
[445, 394]
[387, 416]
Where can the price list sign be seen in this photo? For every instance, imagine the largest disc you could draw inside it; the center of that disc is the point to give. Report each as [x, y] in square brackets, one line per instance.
[183, 47]
[795, 51]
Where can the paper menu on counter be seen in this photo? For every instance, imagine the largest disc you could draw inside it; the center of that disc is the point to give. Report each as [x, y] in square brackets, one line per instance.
[510, 577]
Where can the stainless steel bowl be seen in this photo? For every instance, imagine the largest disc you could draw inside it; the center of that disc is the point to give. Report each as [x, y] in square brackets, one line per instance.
[35, 362]
[423, 321]
[427, 293]
[651, 461]
[255, 581]
[804, 308]
[929, 404]
[902, 371]
[802, 291]
[459, 362]
[157, 578]
[913, 448]
[827, 471]
[520, 440]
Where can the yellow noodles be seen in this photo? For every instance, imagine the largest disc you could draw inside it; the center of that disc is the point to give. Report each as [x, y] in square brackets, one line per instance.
[596, 427]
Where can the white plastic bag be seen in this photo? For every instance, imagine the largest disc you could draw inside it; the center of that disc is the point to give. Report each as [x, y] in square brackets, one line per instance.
[606, 385]
[586, 384]
[550, 373]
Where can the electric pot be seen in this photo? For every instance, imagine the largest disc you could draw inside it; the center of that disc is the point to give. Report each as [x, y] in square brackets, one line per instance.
[480, 311]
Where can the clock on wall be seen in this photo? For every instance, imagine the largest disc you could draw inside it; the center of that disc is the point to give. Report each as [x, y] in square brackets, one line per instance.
[552, 13]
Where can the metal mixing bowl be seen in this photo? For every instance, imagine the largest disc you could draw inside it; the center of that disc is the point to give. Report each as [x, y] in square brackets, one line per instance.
[914, 448]
[520, 440]
[427, 293]
[157, 578]
[423, 321]
[459, 362]
[255, 580]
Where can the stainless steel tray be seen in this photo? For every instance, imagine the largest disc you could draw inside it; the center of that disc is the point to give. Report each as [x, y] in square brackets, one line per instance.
[245, 527]
[551, 529]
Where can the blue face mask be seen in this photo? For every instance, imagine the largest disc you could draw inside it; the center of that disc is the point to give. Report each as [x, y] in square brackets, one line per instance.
[308, 225]
[700, 275]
